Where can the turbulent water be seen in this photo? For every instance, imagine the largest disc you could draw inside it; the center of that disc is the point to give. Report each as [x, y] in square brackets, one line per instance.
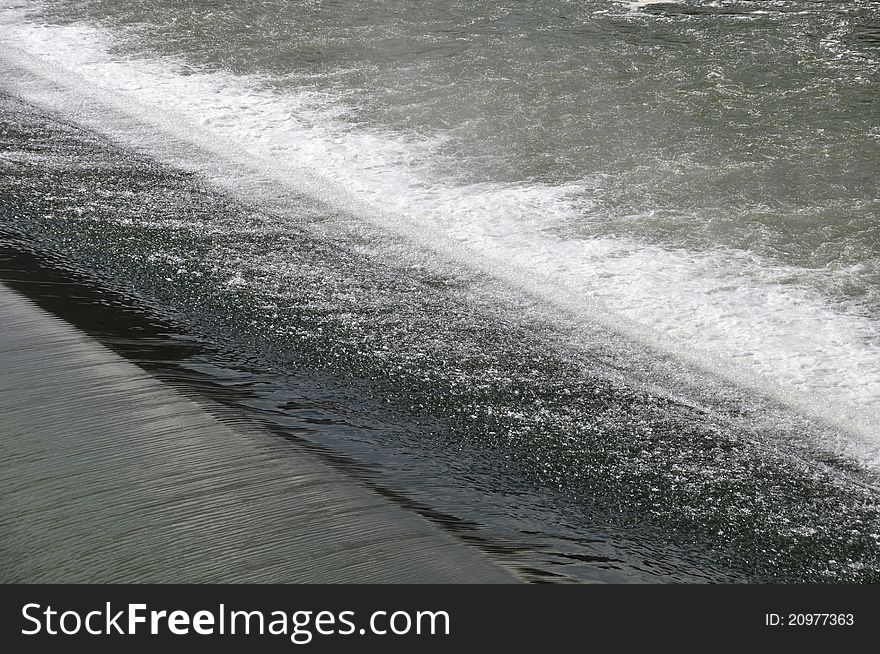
[599, 280]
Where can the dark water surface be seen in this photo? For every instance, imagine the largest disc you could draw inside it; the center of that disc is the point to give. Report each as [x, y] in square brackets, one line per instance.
[592, 284]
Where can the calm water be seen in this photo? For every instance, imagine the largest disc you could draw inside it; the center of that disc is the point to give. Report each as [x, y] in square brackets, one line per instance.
[604, 275]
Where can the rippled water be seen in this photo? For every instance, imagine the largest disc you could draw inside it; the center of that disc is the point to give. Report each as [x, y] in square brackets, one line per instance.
[631, 247]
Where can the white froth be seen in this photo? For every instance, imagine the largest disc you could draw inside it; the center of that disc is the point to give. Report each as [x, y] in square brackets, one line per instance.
[638, 4]
[726, 310]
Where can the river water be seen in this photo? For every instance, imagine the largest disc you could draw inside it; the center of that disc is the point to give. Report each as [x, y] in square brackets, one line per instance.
[599, 279]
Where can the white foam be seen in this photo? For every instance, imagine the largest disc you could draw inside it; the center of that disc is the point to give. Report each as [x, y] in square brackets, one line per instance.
[727, 311]
[635, 5]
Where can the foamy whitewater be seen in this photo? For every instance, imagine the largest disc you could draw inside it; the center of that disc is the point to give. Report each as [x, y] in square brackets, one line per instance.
[726, 310]
[574, 228]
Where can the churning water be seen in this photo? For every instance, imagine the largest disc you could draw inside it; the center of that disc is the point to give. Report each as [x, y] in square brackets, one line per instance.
[600, 278]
